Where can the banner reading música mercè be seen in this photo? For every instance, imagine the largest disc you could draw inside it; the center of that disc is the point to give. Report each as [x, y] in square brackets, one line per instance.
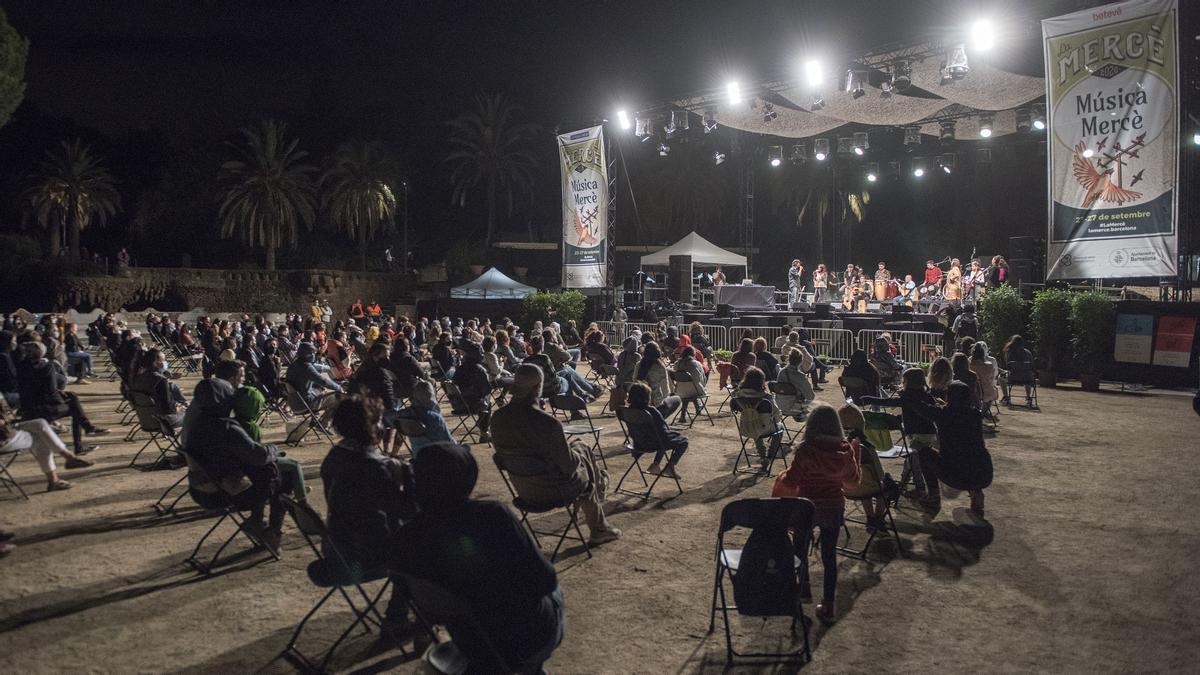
[1113, 108]
[585, 208]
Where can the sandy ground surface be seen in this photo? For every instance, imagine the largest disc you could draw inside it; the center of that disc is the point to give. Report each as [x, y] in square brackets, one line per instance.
[1085, 564]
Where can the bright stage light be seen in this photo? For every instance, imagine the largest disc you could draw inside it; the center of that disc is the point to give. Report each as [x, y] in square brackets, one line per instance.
[775, 155]
[918, 172]
[947, 163]
[817, 103]
[1039, 124]
[985, 126]
[1039, 116]
[813, 74]
[821, 149]
[623, 119]
[861, 142]
[872, 172]
[734, 92]
[1196, 138]
[871, 177]
[957, 65]
[983, 35]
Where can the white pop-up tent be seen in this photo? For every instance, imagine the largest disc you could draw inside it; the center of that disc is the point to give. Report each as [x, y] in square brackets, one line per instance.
[702, 251]
[492, 285]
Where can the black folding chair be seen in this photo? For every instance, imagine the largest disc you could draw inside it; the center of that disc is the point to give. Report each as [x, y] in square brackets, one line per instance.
[785, 391]
[149, 421]
[738, 407]
[632, 418]
[468, 421]
[893, 423]
[410, 428]
[225, 507]
[6, 479]
[514, 462]
[700, 401]
[434, 604]
[309, 418]
[855, 388]
[571, 403]
[861, 501]
[1021, 373]
[775, 516]
[735, 381]
[338, 574]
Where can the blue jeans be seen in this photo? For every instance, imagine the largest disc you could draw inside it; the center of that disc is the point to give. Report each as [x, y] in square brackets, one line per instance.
[79, 364]
[576, 383]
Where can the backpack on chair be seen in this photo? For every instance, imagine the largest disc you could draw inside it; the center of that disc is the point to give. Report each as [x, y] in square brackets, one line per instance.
[765, 581]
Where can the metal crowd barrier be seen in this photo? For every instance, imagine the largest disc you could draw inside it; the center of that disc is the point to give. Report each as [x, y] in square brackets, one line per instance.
[911, 346]
[835, 343]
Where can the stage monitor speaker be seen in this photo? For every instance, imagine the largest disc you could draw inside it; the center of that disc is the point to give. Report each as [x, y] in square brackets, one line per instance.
[901, 309]
[679, 279]
[801, 307]
[1024, 247]
[1026, 271]
[823, 310]
[724, 311]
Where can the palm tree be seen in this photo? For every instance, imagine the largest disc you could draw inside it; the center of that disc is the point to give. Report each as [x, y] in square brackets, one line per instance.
[491, 148]
[71, 189]
[358, 192]
[267, 191]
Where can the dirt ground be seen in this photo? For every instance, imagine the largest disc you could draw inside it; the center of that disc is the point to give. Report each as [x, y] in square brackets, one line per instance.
[1085, 564]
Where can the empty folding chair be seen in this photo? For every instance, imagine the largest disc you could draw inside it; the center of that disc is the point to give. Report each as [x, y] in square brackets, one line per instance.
[586, 428]
[880, 428]
[633, 418]
[732, 375]
[854, 389]
[761, 586]
[699, 400]
[740, 407]
[522, 463]
[333, 571]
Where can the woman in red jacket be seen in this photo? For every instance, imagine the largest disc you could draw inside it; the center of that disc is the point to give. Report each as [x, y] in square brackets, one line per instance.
[824, 464]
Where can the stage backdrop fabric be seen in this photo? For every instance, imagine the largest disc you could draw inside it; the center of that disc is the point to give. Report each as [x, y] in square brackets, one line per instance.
[1113, 108]
[585, 208]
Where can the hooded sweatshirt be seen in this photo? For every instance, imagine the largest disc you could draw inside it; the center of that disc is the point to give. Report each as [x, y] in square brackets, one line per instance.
[821, 469]
[214, 439]
[627, 362]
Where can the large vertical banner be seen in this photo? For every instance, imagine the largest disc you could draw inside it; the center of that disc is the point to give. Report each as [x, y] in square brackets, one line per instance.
[1112, 99]
[585, 208]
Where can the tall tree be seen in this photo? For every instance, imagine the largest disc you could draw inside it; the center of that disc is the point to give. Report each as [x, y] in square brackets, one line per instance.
[358, 192]
[71, 190]
[13, 51]
[491, 149]
[267, 191]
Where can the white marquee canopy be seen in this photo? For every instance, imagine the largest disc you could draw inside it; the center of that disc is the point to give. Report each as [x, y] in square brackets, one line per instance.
[702, 251]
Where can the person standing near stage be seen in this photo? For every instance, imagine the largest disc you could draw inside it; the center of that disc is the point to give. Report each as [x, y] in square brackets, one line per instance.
[718, 277]
[820, 283]
[795, 281]
[953, 291]
[933, 279]
[973, 282]
[997, 274]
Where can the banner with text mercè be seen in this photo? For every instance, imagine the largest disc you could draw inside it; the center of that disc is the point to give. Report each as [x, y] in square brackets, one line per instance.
[585, 208]
[1113, 108]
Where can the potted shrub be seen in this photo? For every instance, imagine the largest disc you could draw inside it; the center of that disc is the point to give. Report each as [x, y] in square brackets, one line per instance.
[1049, 324]
[722, 355]
[1001, 316]
[1094, 330]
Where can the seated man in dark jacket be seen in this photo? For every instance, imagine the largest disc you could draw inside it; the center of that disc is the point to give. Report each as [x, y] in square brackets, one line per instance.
[169, 402]
[473, 383]
[481, 553]
[367, 497]
[42, 387]
[405, 367]
[310, 381]
[221, 452]
[657, 436]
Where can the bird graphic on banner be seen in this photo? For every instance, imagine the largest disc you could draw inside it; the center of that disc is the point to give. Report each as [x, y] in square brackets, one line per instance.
[586, 238]
[1098, 179]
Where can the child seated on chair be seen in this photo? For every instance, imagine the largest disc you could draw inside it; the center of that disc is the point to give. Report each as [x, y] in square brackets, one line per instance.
[659, 435]
[755, 424]
[872, 484]
[824, 465]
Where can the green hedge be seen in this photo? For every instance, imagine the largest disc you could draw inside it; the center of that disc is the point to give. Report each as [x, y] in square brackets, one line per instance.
[1001, 316]
[566, 305]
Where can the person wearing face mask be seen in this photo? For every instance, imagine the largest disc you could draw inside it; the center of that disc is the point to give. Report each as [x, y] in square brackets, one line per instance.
[79, 359]
[150, 379]
[41, 385]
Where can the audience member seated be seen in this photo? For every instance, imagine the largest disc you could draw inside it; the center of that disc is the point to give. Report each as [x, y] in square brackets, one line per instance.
[654, 436]
[872, 483]
[799, 365]
[553, 384]
[820, 368]
[860, 368]
[961, 459]
[743, 359]
[885, 362]
[9, 385]
[564, 366]
[443, 356]
[940, 377]
[701, 342]
[39, 439]
[150, 379]
[693, 390]
[764, 360]
[986, 369]
[755, 424]
[311, 382]
[338, 353]
[270, 369]
[425, 410]
[597, 351]
[824, 465]
[653, 372]
[79, 359]
[475, 388]
[41, 385]
[373, 379]
[912, 399]
[961, 365]
[671, 341]
[521, 431]
[367, 498]
[405, 367]
[1017, 358]
[480, 552]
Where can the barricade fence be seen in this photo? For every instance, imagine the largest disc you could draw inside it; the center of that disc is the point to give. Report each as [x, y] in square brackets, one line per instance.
[911, 346]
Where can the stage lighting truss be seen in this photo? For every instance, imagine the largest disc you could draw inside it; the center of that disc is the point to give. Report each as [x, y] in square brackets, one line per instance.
[854, 83]
[946, 163]
[912, 136]
[821, 149]
[985, 125]
[946, 130]
[817, 103]
[956, 62]
[710, 120]
[768, 113]
[1024, 120]
[861, 143]
[642, 128]
[775, 155]
[799, 154]
[902, 75]
[623, 119]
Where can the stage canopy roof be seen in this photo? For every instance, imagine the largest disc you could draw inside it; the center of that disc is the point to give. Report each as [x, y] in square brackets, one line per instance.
[492, 285]
[703, 252]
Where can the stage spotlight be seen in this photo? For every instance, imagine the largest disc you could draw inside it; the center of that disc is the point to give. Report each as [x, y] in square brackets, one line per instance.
[845, 145]
[983, 155]
[854, 83]
[812, 73]
[983, 35]
[945, 73]
[799, 153]
[956, 63]
[623, 119]
[946, 131]
[946, 162]
[734, 92]
[718, 157]
[710, 121]
[918, 167]
[821, 149]
[663, 149]
[872, 172]
[1024, 120]
[775, 155]
[912, 136]
[985, 126]
[680, 119]
[817, 103]
[1039, 116]
[1196, 138]
[885, 89]
[642, 127]
[769, 114]
[862, 141]
[902, 75]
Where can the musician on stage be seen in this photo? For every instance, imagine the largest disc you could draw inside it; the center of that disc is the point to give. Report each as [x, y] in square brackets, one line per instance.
[953, 292]
[820, 283]
[718, 277]
[865, 291]
[795, 281]
[933, 277]
[883, 274]
[849, 292]
[997, 273]
[908, 289]
[973, 282]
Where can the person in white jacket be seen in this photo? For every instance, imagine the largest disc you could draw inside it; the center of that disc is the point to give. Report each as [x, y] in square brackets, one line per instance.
[694, 390]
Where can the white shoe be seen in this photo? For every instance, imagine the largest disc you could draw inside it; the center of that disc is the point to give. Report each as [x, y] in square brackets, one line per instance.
[654, 468]
[604, 536]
